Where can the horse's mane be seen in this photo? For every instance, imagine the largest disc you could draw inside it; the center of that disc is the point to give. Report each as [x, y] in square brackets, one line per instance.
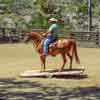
[36, 35]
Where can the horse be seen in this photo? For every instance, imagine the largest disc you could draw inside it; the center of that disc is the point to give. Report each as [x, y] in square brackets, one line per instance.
[66, 47]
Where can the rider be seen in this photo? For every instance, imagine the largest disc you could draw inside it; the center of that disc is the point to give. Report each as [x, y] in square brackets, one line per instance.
[51, 35]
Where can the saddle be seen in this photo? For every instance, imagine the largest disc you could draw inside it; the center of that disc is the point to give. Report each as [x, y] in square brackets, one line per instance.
[54, 44]
[57, 44]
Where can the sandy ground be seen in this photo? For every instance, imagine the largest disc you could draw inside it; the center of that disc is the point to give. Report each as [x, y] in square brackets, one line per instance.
[16, 58]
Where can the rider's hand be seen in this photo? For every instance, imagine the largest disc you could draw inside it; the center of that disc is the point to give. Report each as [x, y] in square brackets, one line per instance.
[44, 34]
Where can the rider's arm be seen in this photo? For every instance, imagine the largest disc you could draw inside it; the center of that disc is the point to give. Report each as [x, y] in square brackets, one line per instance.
[49, 31]
[45, 34]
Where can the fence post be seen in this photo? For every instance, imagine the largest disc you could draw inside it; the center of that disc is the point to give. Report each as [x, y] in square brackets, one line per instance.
[97, 38]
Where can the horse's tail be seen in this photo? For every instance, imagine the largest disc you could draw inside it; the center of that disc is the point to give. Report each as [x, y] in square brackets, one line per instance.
[75, 53]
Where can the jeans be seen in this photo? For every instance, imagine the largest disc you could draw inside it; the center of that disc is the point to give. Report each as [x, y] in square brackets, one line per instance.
[50, 39]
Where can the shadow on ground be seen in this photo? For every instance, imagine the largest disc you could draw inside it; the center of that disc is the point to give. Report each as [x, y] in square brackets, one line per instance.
[12, 89]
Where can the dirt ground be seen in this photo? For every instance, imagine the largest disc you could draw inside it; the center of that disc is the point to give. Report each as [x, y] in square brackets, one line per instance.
[16, 58]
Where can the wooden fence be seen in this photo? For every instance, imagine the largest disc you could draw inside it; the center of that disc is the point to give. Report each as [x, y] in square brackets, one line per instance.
[87, 39]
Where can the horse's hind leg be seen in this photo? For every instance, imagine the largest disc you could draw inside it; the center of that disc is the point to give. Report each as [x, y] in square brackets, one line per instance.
[64, 61]
[71, 60]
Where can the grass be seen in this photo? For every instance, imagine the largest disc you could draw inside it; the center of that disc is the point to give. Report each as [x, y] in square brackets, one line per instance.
[16, 58]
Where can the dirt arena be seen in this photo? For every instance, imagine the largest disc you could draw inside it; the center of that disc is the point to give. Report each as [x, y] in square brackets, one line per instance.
[16, 58]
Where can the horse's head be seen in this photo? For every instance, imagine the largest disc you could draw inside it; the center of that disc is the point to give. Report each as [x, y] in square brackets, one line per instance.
[26, 37]
[32, 36]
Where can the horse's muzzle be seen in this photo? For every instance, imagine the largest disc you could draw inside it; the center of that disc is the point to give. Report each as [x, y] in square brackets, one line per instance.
[25, 38]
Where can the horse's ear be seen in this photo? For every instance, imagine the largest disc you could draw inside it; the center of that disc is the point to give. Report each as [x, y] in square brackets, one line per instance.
[26, 34]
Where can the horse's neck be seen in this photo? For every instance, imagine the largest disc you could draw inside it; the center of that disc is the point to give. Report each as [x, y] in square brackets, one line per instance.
[38, 41]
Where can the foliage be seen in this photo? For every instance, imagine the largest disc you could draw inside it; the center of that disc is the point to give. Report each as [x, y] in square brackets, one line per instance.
[74, 12]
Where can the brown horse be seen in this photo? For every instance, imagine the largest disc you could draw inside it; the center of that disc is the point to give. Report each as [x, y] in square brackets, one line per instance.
[64, 47]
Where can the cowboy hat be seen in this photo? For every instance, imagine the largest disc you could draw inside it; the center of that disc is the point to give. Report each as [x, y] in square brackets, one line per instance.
[53, 20]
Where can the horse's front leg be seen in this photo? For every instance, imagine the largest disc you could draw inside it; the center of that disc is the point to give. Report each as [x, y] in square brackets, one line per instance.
[43, 60]
[64, 61]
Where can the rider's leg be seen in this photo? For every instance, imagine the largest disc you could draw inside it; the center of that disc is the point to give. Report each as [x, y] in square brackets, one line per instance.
[46, 46]
[47, 41]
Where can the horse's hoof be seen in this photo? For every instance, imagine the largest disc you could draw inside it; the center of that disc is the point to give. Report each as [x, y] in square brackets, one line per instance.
[42, 71]
[60, 70]
[70, 69]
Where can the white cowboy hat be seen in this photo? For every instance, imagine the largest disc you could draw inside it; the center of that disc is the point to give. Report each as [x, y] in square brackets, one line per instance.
[53, 20]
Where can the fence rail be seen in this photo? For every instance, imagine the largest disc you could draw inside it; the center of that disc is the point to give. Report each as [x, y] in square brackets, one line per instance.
[87, 39]
[90, 39]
